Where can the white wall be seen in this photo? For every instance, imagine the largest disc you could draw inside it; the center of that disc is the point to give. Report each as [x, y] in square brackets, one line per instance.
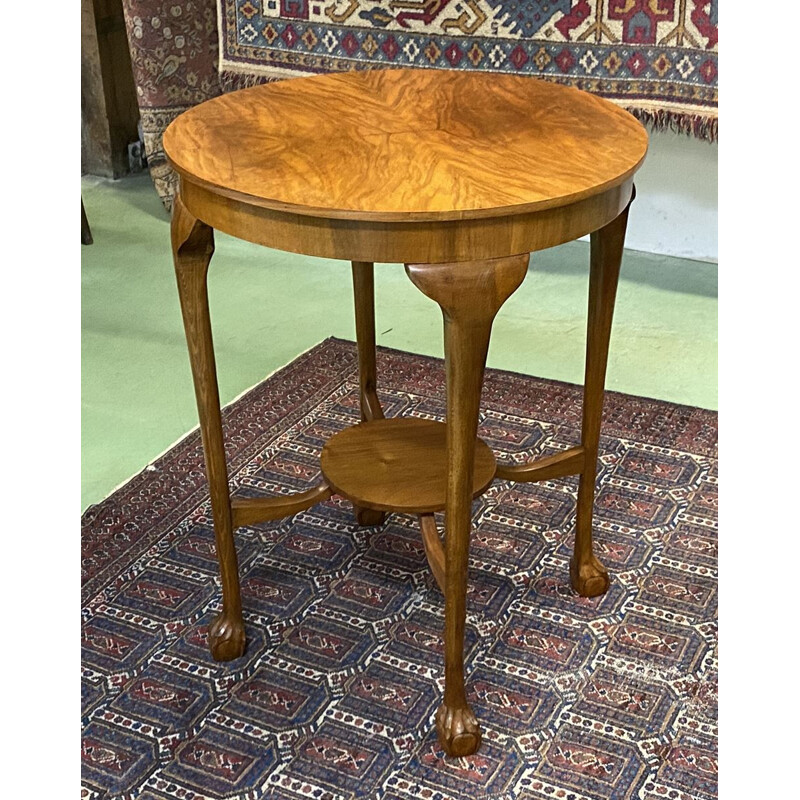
[675, 211]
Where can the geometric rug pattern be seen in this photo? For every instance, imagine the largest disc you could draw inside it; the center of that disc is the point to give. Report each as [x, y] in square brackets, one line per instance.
[578, 699]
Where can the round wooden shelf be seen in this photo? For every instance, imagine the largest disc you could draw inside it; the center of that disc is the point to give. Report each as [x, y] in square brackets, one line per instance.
[397, 465]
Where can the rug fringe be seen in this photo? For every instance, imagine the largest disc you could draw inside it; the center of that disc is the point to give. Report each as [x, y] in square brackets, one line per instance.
[231, 81]
[698, 125]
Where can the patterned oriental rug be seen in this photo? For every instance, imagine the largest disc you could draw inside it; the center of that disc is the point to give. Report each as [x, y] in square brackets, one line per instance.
[657, 58]
[579, 699]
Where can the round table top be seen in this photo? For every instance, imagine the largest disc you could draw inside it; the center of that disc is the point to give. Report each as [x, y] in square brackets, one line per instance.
[408, 144]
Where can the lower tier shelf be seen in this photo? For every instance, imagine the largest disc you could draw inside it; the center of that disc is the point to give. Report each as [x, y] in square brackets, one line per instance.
[397, 465]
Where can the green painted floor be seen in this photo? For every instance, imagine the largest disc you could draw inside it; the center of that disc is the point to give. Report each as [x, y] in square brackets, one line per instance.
[268, 306]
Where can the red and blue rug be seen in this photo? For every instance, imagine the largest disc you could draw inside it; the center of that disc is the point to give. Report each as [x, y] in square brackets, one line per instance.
[656, 58]
[613, 697]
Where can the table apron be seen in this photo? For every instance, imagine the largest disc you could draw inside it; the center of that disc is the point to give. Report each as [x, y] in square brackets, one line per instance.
[405, 242]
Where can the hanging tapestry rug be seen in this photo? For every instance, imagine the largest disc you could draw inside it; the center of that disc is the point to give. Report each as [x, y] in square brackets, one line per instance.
[657, 58]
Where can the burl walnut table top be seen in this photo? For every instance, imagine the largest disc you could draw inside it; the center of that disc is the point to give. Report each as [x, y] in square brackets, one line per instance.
[390, 145]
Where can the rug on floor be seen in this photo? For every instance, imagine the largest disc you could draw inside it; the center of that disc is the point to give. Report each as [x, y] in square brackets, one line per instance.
[613, 697]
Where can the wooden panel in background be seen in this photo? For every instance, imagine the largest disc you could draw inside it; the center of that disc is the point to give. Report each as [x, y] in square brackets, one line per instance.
[109, 111]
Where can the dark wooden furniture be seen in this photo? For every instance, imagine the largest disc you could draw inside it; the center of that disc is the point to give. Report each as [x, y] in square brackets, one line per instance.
[460, 177]
[109, 109]
[86, 231]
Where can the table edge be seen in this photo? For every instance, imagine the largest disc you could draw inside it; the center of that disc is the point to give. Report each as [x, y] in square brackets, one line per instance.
[405, 216]
[405, 240]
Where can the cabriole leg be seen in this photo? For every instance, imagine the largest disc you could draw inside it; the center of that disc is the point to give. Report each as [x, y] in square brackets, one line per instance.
[192, 248]
[470, 294]
[587, 575]
[364, 294]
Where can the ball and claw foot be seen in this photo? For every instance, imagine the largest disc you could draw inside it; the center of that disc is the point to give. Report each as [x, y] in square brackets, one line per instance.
[590, 579]
[368, 517]
[226, 638]
[458, 730]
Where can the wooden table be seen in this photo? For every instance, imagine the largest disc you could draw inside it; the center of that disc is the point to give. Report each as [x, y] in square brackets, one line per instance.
[459, 176]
